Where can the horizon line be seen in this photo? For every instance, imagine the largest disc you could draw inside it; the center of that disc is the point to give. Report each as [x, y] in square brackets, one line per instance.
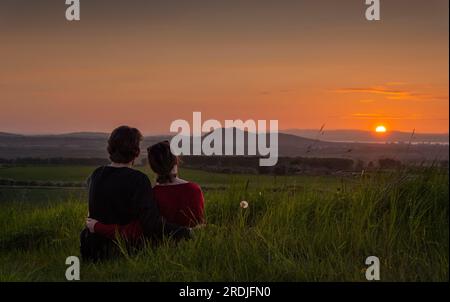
[169, 133]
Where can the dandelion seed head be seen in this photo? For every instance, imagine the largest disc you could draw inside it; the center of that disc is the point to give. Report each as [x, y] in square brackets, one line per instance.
[243, 204]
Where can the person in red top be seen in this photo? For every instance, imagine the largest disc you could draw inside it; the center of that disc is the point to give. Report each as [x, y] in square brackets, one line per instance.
[180, 202]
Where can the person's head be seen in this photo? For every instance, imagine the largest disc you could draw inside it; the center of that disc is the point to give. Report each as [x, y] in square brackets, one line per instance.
[163, 162]
[123, 145]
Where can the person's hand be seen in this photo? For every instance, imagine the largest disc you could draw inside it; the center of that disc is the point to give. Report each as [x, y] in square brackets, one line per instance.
[195, 229]
[90, 224]
[199, 226]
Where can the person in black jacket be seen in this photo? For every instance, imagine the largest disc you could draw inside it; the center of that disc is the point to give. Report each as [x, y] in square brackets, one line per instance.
[119, 194]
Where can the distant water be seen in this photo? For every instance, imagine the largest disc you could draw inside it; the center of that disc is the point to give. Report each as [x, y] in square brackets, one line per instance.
[393, 142]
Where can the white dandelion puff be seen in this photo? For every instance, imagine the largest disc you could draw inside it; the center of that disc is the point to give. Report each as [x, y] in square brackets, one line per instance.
[243, 204]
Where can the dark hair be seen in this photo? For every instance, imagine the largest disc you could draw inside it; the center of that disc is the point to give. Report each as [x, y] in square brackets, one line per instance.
[162, 161]
[123, 144]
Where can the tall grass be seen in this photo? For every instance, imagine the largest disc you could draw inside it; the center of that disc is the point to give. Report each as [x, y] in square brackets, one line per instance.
[286, 234]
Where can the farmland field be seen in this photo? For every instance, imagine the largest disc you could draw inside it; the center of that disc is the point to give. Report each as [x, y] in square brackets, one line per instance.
[297, 228]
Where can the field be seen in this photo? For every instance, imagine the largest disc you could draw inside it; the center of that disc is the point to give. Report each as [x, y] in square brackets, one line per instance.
[297, 228]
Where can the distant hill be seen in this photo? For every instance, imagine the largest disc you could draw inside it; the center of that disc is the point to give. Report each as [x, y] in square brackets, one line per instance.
[100, 135]
[5, 134]
[93, 145]
[367, 136]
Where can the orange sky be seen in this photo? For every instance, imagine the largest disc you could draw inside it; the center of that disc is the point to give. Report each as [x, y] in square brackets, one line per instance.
[146, 63]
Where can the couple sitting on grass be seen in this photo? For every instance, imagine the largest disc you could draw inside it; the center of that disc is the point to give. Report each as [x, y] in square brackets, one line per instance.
[123, 204]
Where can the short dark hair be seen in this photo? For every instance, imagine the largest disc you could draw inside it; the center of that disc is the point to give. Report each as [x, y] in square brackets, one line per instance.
[123, 144]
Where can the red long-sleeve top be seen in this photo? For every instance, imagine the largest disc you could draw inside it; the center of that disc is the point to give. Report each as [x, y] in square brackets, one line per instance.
[181, 204]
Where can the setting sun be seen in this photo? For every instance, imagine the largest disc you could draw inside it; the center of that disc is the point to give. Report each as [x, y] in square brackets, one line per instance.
[380, 129]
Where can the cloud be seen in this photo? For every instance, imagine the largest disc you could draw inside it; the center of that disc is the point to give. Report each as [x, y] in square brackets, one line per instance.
[391, 94]
[377, 116]
[396, 83]
[281, 91]
[366, 115]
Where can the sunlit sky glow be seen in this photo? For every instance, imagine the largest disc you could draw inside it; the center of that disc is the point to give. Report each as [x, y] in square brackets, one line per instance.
[147, 63]
[380, 129]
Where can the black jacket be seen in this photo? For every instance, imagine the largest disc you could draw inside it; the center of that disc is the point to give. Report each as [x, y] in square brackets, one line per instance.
[122, 195]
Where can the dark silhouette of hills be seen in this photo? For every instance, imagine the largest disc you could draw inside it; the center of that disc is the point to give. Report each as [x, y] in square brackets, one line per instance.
[5, 134]
[93, 145]
[368, 136]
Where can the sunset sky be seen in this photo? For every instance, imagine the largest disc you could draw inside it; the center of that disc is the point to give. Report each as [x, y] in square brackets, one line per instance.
[147, 63]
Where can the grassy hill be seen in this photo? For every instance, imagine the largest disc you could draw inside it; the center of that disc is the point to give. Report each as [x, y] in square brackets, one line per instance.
[296, 228]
